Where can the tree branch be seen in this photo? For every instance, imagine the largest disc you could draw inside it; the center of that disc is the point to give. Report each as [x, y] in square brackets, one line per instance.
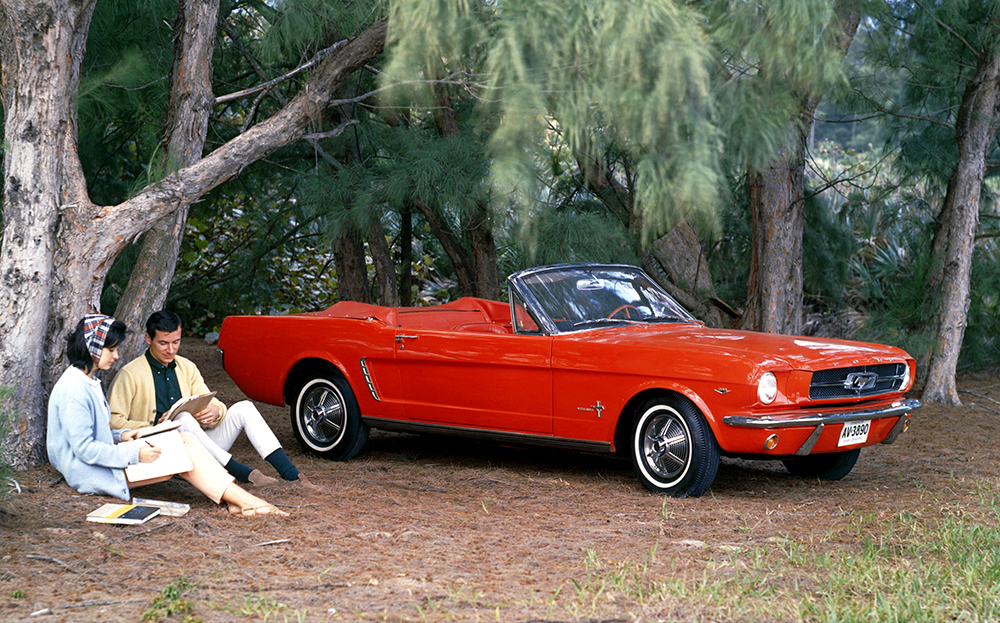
[951, 31]
[320, 56]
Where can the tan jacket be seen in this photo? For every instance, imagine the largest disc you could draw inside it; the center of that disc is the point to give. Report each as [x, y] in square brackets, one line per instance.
[132, 397]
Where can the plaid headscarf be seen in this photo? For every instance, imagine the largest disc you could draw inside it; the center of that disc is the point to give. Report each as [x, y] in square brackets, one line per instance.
[95, 331]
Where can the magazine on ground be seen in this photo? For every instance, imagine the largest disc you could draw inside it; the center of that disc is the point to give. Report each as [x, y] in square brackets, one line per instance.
[123, 514]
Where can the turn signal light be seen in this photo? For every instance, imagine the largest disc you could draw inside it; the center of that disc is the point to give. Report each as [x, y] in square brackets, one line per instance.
[771, 442]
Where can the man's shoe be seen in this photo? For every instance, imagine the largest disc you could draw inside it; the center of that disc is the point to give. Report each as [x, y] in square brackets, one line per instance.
[259, 479]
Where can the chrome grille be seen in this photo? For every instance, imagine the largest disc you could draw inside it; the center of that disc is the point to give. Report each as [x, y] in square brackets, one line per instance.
[857, 381]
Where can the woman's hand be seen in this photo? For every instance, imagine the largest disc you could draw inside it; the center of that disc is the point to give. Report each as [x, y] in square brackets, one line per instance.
[148, 453]
[128, 435]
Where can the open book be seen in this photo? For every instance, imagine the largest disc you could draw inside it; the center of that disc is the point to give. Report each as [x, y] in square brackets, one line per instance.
[191, 404]
[173, 457]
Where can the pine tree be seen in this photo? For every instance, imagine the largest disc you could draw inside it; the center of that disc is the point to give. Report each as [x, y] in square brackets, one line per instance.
[947, 122]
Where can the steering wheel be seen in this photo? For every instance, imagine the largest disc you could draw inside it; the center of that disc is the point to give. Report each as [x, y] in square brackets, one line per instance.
[627, 314]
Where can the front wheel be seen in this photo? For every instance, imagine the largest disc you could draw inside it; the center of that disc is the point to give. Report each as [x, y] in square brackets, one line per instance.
[832, 466]
[673, 448]
[327, 421]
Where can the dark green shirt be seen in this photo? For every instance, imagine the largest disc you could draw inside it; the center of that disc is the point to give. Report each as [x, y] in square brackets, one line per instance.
[168, 389]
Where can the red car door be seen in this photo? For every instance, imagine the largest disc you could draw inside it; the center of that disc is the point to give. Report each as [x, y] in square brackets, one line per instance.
[479, 380]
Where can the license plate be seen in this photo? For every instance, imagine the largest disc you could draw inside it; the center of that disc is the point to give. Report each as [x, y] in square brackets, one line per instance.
[854, 432]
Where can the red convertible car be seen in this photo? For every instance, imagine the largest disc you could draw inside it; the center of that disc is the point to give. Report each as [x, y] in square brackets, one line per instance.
[584, 356]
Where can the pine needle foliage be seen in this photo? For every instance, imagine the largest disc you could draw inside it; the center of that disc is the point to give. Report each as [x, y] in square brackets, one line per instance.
[920, 57]
[123, 95]
[638, 70]
[981, 345]
[301, 27]
[769, 56]
[931, 50]
[577, 236]
[827, 246]
[406, 164]
[673, 86]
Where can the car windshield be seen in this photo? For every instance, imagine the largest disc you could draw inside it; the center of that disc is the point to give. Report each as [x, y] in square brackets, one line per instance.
[577, 297]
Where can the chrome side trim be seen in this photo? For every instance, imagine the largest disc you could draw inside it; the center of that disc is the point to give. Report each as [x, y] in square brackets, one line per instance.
[368, 380]
[810, 442]
[901, 407]
[406, 426]
[896, 430]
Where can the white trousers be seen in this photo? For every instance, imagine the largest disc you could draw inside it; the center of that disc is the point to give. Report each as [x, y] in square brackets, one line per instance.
[241, 417]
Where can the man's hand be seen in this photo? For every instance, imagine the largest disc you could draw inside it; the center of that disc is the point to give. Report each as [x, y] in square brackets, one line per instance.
[208, 415]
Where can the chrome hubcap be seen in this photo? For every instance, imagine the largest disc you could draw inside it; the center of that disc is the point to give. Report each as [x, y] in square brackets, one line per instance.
[666, 446]
[323, 414]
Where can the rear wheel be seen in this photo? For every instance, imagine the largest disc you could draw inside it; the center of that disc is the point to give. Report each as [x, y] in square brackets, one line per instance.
[832, 466]
[673, 449]
[326, 419]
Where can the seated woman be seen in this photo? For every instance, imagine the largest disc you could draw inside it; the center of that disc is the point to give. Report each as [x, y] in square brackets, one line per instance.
[82, 446]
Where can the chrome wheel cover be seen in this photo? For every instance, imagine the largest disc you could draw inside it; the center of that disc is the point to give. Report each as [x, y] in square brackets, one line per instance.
[665, 445]
[321, 414]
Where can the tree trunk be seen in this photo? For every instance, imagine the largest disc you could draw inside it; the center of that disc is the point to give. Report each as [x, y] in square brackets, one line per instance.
[484, 255]
[452, 244]
[406, 258]
[40, 52]
[774, 291]
[976, 129]
[680, 254]
[479, 264]
[352, 271]
[385, 270]
[191, 102]
[57, 246]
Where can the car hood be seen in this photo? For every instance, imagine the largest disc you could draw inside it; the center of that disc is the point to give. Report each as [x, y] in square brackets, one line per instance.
[772, 350]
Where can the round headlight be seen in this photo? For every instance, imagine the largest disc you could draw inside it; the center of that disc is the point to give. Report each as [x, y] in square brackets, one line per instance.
[906, 377]
[767, 388]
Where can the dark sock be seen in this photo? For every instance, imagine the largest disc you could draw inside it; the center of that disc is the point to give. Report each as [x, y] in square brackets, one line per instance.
[280, 461]
[239, 470]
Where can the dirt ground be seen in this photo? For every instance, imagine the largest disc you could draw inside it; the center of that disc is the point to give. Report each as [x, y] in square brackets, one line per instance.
[434, 528]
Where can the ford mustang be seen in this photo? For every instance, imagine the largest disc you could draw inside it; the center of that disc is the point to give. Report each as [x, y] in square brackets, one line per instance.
[591, 357]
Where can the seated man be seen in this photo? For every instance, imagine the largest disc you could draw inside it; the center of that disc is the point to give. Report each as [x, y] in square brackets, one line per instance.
[146, 387]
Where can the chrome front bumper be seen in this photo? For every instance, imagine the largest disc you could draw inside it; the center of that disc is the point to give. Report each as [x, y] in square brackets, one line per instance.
[899, 409]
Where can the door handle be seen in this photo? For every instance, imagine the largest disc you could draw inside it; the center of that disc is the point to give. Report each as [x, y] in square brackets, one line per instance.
[400, 338]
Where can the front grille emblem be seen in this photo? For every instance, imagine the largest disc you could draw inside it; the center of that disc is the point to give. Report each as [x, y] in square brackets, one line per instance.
[859, 381]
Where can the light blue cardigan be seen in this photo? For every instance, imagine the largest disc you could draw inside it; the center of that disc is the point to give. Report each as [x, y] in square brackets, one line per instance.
[81, 444]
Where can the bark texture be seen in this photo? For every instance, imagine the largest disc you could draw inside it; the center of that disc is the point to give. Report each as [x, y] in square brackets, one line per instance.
[385, 270]
[976, 128]
[58, 245]
[774, 291]
[352, 271]
[41, 46]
